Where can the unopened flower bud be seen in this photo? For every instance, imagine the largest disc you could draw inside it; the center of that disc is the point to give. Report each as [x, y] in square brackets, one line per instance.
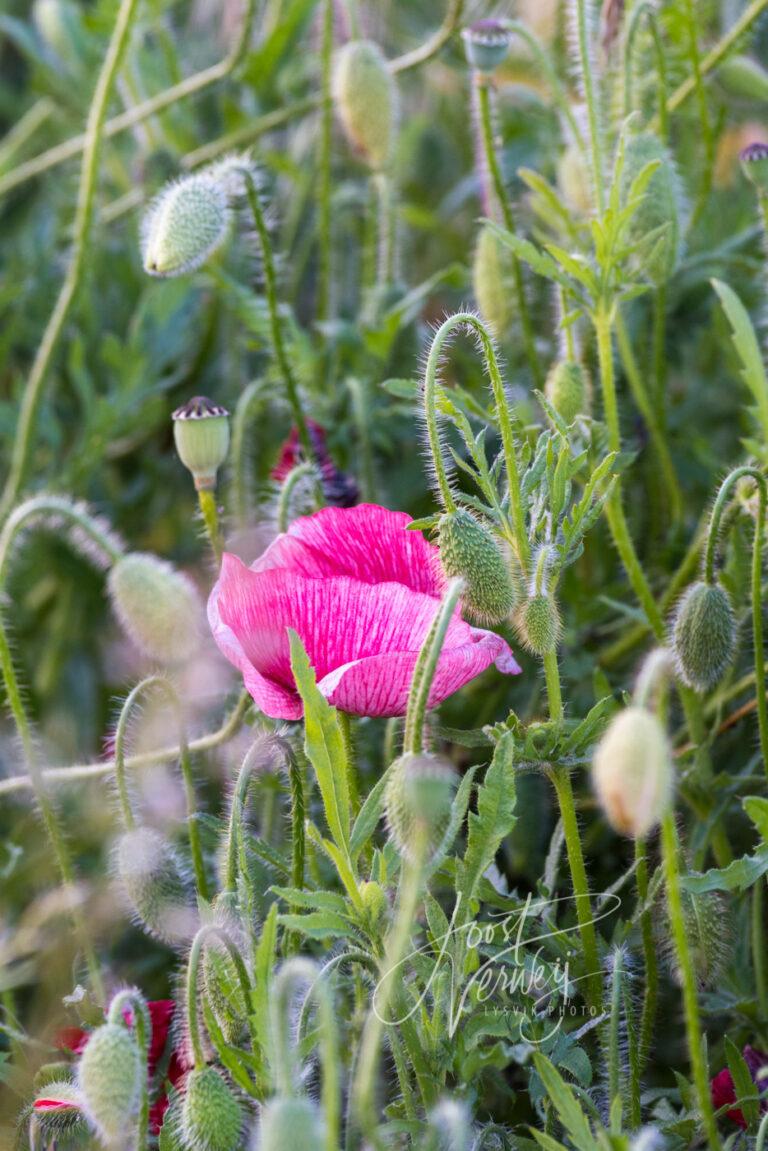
[291, 1123]
[632, 772]
[155, 885]
[201, 435]
[374, 900]
[157, 606]
[754, 165]
[492, 281]
[58, 1112]
[469, 551]
[568, 389]
[487, 44]
[417, 800]
[109, 1077]
[743, 78]
[538, 624]
[703, 635]
[709, 933]
[574, 181]
[365, 97]
[211, 1117]
[185, 224]
[221, 982]
[661, 206]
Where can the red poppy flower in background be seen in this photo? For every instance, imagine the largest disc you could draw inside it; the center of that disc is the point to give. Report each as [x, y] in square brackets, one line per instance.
[339, 489]
[723, 1088]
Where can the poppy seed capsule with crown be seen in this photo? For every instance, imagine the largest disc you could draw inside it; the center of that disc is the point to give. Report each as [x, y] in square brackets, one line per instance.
[211, 1117]
[365, 97]
[703, 635]
[157, 606]
[487, 44]
[201, 435]
[469, 551]
[291, 1123]
[754, 165]
[417, 801]
[185, 224]
[109, 1077]
[632, 772]
[568, 389]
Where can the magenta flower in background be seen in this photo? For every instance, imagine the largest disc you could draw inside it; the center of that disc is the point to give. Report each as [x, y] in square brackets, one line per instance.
[361, 592]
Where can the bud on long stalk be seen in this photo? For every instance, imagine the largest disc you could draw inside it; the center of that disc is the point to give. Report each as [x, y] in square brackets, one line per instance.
[157, 606]
[469, 551]
[366, 100]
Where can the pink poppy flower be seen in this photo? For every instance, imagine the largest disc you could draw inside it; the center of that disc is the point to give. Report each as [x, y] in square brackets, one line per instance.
[361, 591]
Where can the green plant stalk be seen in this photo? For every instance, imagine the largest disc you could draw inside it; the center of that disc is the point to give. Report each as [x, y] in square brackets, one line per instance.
[433, 44]
[559, 94]
[206, 498]
[705, 123]
[759, 947]
[646, 10]
[135, 1003]
[554, 692]
[298, 473]
[33, 390]
[50, 818]
[345, 724]
[426, 666]
[275, 319]
[670, 851]
[248, 402]
[482, 86]
[651, 990]
[386, 247]
[192, 984]
[361, 412]
[614, 1077]
[324, 190]
[53, 508]
[591, 98]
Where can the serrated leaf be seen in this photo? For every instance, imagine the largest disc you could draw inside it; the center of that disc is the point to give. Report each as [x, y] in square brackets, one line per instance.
[746, 1090]
[756, 808]
[319, 925]
[745, 343]
[737, 876]
[495, 816]
[565, 1103]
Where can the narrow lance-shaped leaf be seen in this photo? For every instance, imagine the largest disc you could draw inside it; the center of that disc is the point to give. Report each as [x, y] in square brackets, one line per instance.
[745, 343]
[495, 815]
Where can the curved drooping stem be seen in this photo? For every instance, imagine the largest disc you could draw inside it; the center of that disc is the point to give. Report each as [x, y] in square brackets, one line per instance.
[583, 36]
[426, 666]
[303, 471]
[158, 683]
[99, 543]
[433, 45]
[192, 985]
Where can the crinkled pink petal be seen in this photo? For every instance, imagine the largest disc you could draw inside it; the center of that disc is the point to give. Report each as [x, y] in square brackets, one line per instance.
[55, 1105]
[367, 542]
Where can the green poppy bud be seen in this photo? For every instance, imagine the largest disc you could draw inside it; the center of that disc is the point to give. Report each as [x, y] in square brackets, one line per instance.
[660, 206]
[374, 900]
[220, 979]
[417, 801]
[487, 44]
[703, 635]
[365, 96]
[211, 1117]
[632, 772]
[154, 884]
[754, 165]
[709, 932]
[743, 78]
[157, 606]
[574, 180]
[109, 1076]
[185, 224]
[468, 550]
[290, 1123]
[58, 1111]
[568, 389]
[538, 624]
[201, 435]
[492, 281]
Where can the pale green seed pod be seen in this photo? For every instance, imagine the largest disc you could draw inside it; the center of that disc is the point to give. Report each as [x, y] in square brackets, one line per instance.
[417, 802]
[220, 980]
[709, 932]
[374, 900]
[661, 205]
[492, 281]
[155, 885]
[158, 607]
[743, 78]
[185, 225]
[703, 635]
[538, 624]
[109, 1077]
[201, 435]
[469, 551]
[211, 1116]
[487, 44]
[366, 100]
[754, 165]
[291, 1123]
[568, 389]
[632, 772]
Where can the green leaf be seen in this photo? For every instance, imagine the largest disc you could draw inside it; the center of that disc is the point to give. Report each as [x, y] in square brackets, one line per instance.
[313, 900]
[746, 1090]
[495, 816]
[737, 876]
[368, 816]
[756, 808]
[745, 343]
[324, 745]
[319, 925]
[565, 1103]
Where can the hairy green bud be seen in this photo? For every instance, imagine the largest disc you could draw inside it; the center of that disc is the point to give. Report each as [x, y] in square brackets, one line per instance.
[374, 900]
[754, 165]
[109, 1076]
[288, 1123]
[365, 96]
[211, 1117]
[574, 180]
[156, 605]
[468, 550]
[220, 979]
[661, 205]
[201, 435]
[703, 635]
[417, 801]
[709, 932]
[492, 281]
[538, 624]
[486, 43]
[743, 78]
[568, 389]
[155, 885]
[632, 772]
[185, 224]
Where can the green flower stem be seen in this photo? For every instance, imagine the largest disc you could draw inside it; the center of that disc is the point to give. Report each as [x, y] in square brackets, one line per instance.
[48, 813]
[564, 105]
[254, 758]
[33, 390]
[276, 321]
[757, 580]
[424, 671]
[206, 498]
[192, 987]
[554, 693]
[345, 723]
[593, 990]
[482, 86]
[433, 44]
[670, 851]
[645, 10]
[241, 138]
[614, 1026]
[324, 179]
[361, 411]
[198, 82]
[142, 1024]
[50, 510]
[651, 990]
[759, 947]
[386, 225]
[762, 1131]
[248, 405]
[583, 33]
[302, 471]
[471, 321]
